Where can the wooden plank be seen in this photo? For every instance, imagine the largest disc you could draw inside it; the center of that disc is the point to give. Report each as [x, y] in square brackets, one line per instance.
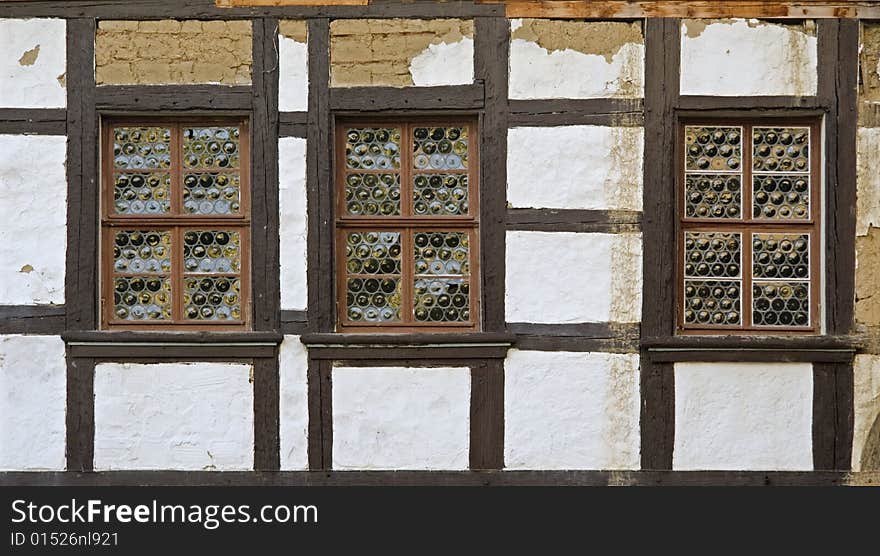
[487, 415]
[80, 282]
[80, 414]
[239, 3]
[374, 99]
[293, 124]
[677, 355]
[607, 9]
[375, 353]
[164, 352]
[267, 414]
[570, 220]
[598, 337]
[757, 103]
[32, 319]
[265, 241]
[491, 48]
[657, 381]
[559, 112]
[442, 478]
[832, 416]
[31, 121]
[319, 182]
[175, 97]
[207, 9]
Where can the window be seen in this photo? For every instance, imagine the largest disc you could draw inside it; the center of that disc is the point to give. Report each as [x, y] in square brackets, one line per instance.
[407, 225]
[749, 227]
[175, 224]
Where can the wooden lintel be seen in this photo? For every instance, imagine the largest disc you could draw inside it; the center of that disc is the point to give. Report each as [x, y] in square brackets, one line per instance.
[625, 9]
[249, 3]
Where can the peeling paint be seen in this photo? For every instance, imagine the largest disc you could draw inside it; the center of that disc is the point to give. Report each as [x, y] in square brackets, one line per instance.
[35, 51]
[27, 269]
[381, 52]
[576, 59]
[293, 74]
[869, 62]
[62, 79]
[735, 57]
[29, 58]
[867, 286]
[293, 361]
[601, 38]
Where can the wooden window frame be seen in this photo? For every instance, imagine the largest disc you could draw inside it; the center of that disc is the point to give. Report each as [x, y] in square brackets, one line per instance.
[747, 225]
[407, 224]
[176, 222]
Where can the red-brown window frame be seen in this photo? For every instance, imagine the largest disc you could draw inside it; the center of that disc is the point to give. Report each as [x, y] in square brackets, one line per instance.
[407, 224]
[746, 226]
[176, 221]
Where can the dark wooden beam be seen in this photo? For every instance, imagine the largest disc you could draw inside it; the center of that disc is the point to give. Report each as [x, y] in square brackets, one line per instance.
[570, 220]
[558, 112]
[31, 121]
[32, 319]
[592, 336]
[487, 415]
[376, 99]
[156, 98]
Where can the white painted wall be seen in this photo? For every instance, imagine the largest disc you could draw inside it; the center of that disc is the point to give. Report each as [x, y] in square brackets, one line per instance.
[740, 57]
[444, 64]
[866, 403]
[536, 73]
[294, 428]
[36, 85]
[563, 277]
[33, 394]
[33, 219]
[737, 416]
[294, 225]
[565, 410]
[293, 77]
[401, 418]
[575, 167]
[188, 416]
[868, 214]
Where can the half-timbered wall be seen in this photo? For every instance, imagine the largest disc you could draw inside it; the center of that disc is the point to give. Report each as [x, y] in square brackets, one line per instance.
[576, 371]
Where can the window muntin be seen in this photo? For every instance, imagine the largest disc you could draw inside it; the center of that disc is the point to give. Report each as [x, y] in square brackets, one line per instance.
[749, 227]
[175, 224]
[407, 219]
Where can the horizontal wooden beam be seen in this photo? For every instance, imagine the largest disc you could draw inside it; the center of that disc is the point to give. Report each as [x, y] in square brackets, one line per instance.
[174, 97]
[33, 121]
[372, 99]
[605, 9]
[627, 112]
[208, 9]
[438, 478]
[32, 319]
[293, 124]
[570, 220]
[590, 336]
[755, 103]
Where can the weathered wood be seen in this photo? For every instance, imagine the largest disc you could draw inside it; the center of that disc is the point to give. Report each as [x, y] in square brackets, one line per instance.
[265, 241]
[31, 121]
[207, 9]
[432, 352]
[559, 112]
[657, 382]
[487, 415]
[757, 355]
[605, 9]
[267, 414]
[570, 220]
[80, 414]
[832, 416]
[31, 319]
[491, 55]
[599, 337]
[294, 124]
[442, 478]
[375, 99]
[175, 97]
[758, 103]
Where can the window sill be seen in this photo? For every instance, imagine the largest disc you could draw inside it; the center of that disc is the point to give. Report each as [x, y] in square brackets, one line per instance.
[476, 345]
[172, 345]
[815, 349]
